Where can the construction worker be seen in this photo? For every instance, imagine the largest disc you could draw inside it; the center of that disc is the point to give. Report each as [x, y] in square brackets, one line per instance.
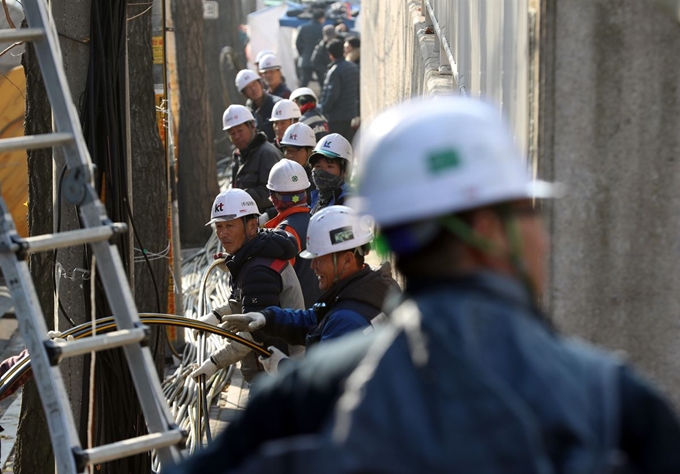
[270, 70]
[305, 98]
[467, 376]
[307, 37]
[284, 114]
[287, 186]
[260, 276]
[298, 144]
[339, 100]
[330, 162]
[259, 102]
[254, 155]
[261, 55]
[353, 293]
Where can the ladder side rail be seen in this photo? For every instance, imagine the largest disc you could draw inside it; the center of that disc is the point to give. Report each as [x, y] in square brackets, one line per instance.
[149, 391]
[48, 380]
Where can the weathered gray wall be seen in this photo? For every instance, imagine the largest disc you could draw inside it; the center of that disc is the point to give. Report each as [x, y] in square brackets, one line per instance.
[396, 56]
[611, 131]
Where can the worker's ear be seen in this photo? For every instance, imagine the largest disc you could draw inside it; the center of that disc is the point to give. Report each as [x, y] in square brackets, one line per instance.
[488, 225]
[251, 227]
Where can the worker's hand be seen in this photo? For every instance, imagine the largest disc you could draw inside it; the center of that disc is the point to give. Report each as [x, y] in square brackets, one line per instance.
[210, 318]
[243, 322]
[56, 336]
[263, 219]
[208, 368]
[271, 363]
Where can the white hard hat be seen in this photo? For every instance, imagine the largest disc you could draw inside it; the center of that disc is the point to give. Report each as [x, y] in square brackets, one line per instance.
[261, 54]
[268, 61]
[299, 134]
[245, 77]
[336, 228]
[333, 146]
[285, 109]
[429, 158]
[232, 204]
[287, 176]
[299, 92]
[236, 115]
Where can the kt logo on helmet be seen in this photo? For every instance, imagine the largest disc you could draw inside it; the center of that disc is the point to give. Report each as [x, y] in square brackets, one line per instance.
[293, 136]
[219, 207]
[278, 112]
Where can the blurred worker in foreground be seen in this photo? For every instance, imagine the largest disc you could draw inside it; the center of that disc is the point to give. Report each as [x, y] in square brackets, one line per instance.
[270, 70]
[254, 155]
[284, 114]
[331, 166]
[468, 376]
[353, 293]
[298, 145]
[305, 98]
[259, 102]
[260, 276]
[287, 186]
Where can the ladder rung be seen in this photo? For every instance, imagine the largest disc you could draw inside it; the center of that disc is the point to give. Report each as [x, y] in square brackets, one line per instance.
[20, 34]
[42, 243]
[30, 142]
[128, 447]
[56, 351]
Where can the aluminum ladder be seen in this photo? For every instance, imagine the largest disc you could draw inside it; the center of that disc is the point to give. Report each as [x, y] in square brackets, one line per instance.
[164, 435]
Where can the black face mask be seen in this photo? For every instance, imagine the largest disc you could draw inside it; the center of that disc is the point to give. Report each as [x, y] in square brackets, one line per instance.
[326, 183]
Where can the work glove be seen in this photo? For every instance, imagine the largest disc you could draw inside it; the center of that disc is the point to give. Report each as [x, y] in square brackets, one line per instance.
[232, 352]
[271, 363]
[263, 219]
[207, 368]
[214, 317]
[56, 336]
[243, 322]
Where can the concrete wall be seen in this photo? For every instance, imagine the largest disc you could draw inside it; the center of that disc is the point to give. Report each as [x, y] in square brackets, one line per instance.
[396, 56]
[610, 130]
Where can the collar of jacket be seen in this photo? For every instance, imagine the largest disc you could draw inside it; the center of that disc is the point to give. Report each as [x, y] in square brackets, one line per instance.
[333, 294]
[281, 216]
[259, 139]
[484, 281]
[266, 244]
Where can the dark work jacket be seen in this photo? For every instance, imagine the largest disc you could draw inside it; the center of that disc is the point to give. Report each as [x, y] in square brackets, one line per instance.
[259, 278]
[264, 113]
[337, 199]
[317, 122]
[295, 220]
[307, 38]
[467, 374]
[281, 91]
[340, 94]
[251, 168]
[320, 58]
[348, 305]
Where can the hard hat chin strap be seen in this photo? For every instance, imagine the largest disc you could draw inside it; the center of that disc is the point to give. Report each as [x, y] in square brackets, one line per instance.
[465, 233]
[515, 240]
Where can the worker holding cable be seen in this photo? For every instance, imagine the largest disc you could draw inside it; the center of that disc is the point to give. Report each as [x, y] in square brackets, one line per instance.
[261, 276]
[338, 239]
[468, 376]
[287, 184]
